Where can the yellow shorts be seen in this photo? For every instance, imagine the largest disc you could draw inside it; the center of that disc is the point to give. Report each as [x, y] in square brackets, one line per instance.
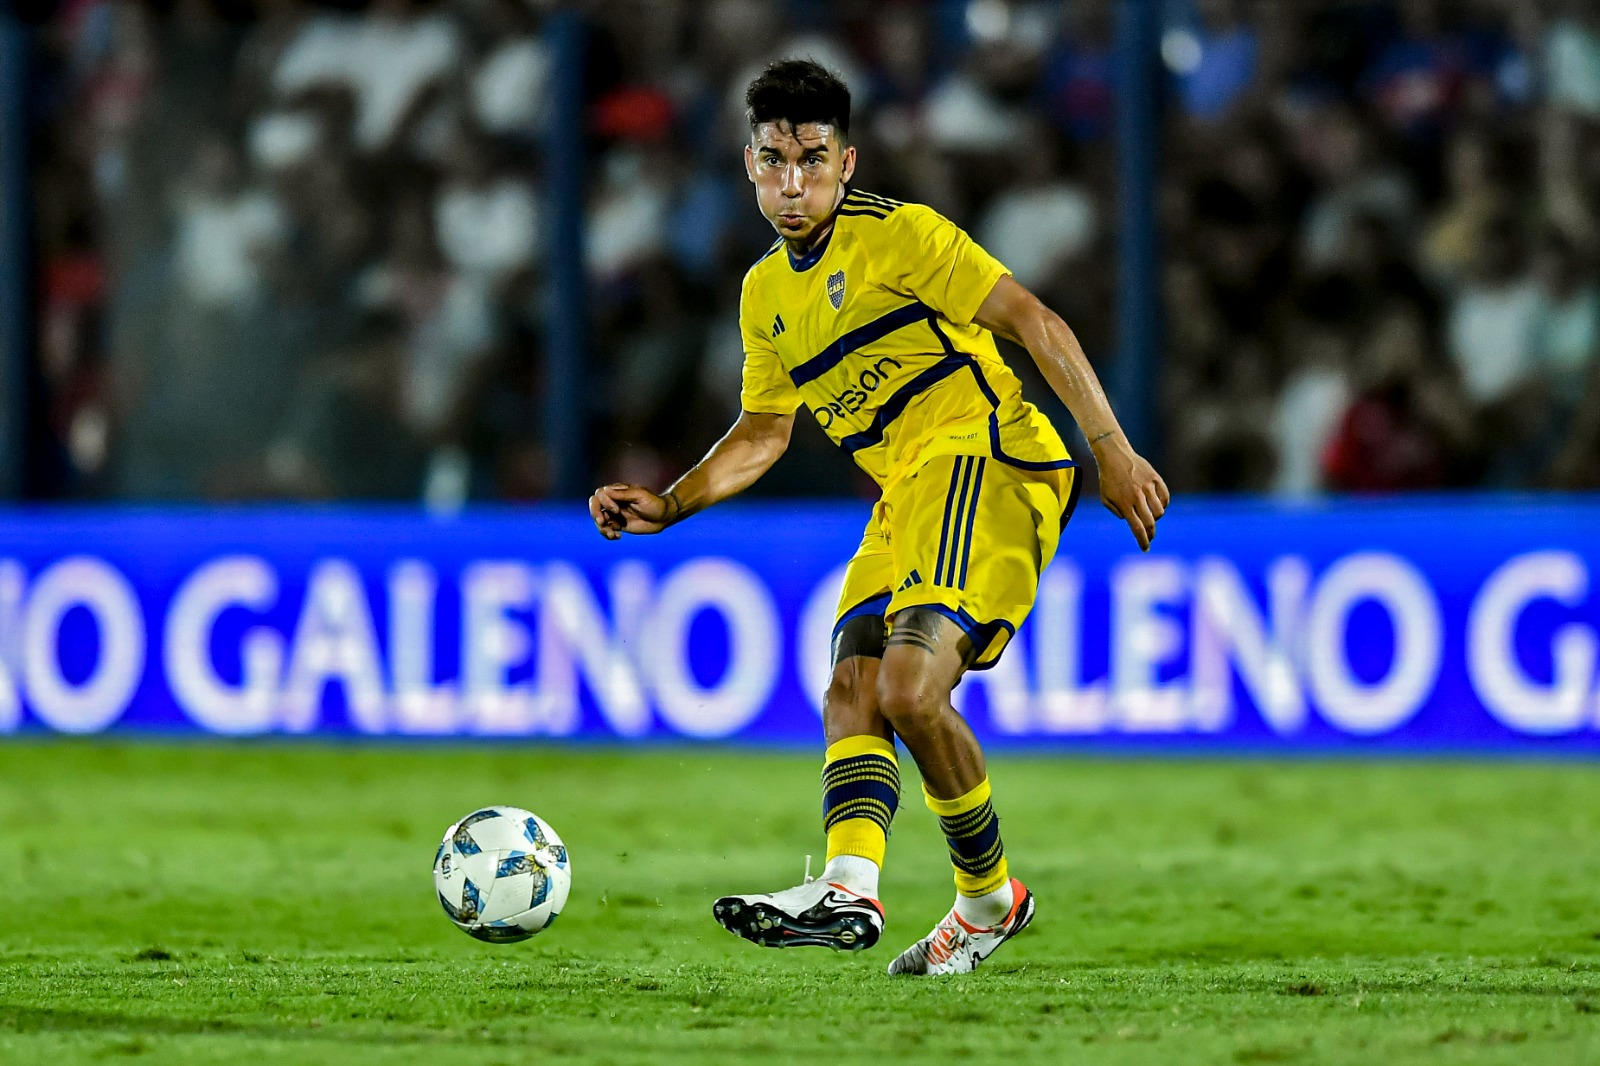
[967, 536]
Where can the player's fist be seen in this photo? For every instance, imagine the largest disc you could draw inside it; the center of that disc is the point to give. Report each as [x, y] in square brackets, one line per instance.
[1131, 489]
[619, 509]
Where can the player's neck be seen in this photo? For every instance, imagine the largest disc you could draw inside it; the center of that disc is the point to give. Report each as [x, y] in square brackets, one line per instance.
[813, 240]
[801, 248]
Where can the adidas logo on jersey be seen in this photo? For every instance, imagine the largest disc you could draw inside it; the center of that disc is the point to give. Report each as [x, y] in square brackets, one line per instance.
[777, 325]
[913, 578]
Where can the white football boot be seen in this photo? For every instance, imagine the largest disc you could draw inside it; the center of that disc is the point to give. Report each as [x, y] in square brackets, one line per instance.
[956, 947]
[821, 913]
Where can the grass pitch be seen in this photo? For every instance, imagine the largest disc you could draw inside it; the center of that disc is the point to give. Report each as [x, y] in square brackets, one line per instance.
[220, 904]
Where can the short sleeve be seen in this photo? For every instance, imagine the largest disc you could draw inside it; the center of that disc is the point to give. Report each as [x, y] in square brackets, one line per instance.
[767, 387]
[938, 263]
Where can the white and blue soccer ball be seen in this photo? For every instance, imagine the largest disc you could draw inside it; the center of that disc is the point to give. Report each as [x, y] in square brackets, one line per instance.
[502, 874]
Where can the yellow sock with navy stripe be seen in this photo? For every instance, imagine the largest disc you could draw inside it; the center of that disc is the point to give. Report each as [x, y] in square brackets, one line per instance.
[972, 830]
[860, 792]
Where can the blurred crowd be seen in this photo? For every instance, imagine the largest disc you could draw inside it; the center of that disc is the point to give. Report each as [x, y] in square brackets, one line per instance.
[297, 250]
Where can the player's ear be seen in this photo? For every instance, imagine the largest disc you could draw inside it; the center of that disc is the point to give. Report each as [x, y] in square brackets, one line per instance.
[750, 163]
[848, 171]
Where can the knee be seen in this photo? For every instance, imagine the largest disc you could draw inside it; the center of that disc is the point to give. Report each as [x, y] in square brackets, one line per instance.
[908, 701]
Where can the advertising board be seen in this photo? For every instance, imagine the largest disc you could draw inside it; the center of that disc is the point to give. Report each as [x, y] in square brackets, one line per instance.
[1427, 625]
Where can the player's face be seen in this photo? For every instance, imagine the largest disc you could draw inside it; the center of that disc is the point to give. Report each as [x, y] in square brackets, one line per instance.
[799, 173]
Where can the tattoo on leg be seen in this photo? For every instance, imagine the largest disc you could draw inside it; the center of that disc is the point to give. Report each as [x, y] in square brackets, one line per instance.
[920, 628]
[912, 638]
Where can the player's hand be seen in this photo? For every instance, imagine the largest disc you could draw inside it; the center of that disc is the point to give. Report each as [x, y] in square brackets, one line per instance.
[1130, 488]
[619, 509]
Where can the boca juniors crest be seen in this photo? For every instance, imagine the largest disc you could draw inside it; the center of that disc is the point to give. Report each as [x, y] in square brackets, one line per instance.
[836, 289]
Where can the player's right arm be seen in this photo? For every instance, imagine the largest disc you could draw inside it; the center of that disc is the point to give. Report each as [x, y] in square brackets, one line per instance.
[1130, 488]
[945, 269]
[761, 435]
[733, 464]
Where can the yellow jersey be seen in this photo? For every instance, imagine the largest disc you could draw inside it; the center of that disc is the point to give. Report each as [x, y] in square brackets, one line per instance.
[872, 330]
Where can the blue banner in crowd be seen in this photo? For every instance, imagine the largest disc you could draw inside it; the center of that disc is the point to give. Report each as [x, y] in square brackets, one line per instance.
[1403, 627]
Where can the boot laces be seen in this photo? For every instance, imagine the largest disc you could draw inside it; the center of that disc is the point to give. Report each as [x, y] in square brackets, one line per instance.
[947, 938]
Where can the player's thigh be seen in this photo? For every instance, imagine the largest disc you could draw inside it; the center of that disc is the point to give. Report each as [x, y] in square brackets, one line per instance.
[923, 659]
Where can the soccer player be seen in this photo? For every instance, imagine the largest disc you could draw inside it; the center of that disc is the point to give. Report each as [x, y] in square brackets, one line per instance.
[878, 316]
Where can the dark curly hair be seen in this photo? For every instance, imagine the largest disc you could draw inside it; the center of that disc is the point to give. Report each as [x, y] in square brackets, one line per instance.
[798, 91]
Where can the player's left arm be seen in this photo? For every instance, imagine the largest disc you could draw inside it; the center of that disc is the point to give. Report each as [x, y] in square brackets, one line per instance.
[1129, 486]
